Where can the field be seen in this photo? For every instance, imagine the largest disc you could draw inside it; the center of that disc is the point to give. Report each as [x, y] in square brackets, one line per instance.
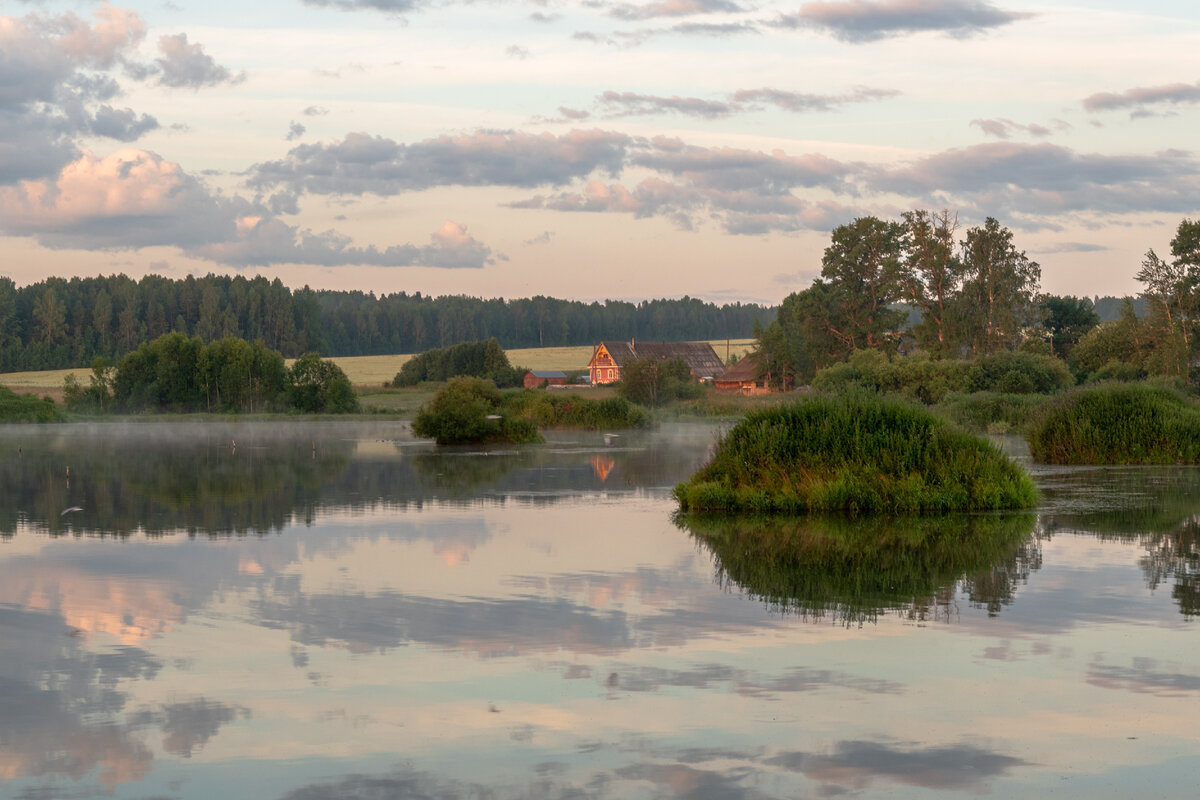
[365, 372]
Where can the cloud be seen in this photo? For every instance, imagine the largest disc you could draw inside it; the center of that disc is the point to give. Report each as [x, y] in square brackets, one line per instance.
[1070, 247]
[53, 75]
[801, 102]
[636, 38]
[517, 51]
[184, 65]
[295, 131]
[1040, 181]
[615, 105]
[127, 199]
[859, 21]
[857, 764]
[1138, 99]
[315, 111]
[124, 125]
[266, 240]
[674, 8]
[387, 6]
[361, 163]
[1002, 128]
[58, 83]
[628, 104]
[133, 198]
[1145, 676]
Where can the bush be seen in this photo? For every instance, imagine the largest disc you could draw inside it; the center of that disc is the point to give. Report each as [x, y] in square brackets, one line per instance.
[468, 410]
[550, 410]
[858, 453]
[316, 386]
[917, 376]
[1018, 372]
[1118, 423]
[27, 408]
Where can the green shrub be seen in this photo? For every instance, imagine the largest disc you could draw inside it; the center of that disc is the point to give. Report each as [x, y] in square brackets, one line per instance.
[858, 453]
[917, 376]
[554, 410]
[27, 408]
[468, 410]
[1118, 423]
[1018, 372]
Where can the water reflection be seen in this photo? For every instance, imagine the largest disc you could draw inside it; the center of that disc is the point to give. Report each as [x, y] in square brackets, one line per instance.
[530, 623]
[218, 479]
[853, 569]
[1157, 508]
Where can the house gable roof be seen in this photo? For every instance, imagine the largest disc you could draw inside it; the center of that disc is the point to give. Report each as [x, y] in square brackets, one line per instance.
[699, 356]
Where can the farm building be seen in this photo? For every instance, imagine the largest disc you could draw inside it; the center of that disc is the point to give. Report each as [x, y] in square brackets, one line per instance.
[544, 377]
[610, 358]
[746, 377]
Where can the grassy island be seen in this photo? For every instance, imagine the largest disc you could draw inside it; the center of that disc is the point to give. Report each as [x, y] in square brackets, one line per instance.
[1118, 423]
[857, 453]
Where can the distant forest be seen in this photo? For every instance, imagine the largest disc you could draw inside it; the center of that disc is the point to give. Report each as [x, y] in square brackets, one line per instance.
[60, 323]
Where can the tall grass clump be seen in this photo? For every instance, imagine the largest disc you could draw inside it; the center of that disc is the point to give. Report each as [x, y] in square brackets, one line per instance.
[991, 412]
[1117, 423]
[553, 410]
[857, 453]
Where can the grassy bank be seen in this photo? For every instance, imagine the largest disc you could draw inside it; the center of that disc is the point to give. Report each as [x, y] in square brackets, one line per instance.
[857, 453]
[1118, 423]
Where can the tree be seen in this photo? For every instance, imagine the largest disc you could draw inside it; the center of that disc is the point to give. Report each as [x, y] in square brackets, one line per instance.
[1171, 300]
[653, 381]
[931, 276]
[861, 266]
[999, 287]
[1067, 320]
[317, 386]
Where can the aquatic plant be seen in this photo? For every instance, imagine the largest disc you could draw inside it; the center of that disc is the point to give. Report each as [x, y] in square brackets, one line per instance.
[1117, 423]
[857, 453]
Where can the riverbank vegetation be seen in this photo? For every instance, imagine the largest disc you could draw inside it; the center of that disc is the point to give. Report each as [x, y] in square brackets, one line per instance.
[1118, 424]
[857, 453]
[485, 360]
[26, 408]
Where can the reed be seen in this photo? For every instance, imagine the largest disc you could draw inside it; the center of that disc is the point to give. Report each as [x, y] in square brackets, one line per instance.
[858, 453]
[1117, 423]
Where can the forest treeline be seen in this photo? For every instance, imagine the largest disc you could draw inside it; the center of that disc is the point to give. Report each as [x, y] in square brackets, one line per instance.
[60, 323]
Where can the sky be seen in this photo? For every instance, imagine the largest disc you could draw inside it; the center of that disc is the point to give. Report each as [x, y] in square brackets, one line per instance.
[589, 150]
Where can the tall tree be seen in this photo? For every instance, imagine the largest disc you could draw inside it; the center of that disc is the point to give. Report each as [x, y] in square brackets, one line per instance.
[931, 276]
[1000, 284]
[1067, 319]
[861, 265]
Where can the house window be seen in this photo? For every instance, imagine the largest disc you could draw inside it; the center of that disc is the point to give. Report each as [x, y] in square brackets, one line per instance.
[610, 374]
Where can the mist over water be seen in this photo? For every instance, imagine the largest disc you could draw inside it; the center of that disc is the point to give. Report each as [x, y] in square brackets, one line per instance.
[318, 610]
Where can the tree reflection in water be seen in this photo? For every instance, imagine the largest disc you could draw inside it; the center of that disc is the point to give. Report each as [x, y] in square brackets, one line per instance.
[854, 569]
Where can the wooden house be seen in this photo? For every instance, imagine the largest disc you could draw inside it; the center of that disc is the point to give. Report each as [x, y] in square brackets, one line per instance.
[746, 377]
[544, 377]
[609, 358]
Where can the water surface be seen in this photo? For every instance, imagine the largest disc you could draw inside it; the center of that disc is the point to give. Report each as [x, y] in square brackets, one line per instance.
[333, 610]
